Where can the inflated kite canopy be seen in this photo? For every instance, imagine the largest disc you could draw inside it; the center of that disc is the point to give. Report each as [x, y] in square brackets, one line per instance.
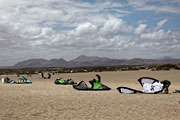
[61, 81]
[128, 90]
[176, 91]
[83, 86]
[150, 86]
[7, 80]
[24, 80]
[147, 80]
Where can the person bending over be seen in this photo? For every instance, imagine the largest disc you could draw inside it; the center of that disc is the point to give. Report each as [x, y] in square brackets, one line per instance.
[166, 84]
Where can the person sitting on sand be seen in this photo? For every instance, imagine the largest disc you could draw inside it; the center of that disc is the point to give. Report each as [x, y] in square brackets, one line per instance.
[96, 83]
[166, 84]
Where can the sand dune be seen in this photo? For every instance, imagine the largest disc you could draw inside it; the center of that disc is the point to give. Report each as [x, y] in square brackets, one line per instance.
[43, 100]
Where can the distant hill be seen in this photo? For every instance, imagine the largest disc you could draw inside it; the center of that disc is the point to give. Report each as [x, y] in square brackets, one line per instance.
[84, 58]
[85, 61]
[33, 63]
[58, 63]
[167, 58]
[41, 63]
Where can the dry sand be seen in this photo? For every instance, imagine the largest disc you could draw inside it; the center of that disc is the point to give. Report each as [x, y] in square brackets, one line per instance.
[43, 100]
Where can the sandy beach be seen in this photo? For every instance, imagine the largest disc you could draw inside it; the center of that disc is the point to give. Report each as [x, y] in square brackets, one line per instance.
[43, 100]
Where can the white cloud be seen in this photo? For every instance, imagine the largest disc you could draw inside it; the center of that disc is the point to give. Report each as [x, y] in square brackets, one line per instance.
[114, 26]
[161, 23]
[156, 35]
[85, 29]
[164, 6]
[140, 29]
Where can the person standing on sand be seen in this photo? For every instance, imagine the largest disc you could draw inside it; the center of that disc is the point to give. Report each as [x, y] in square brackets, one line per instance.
[166, 84]
[49, 75]
[18, 75]
[42, 74]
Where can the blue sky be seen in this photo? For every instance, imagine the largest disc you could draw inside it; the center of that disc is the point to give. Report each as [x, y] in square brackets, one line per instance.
[108, 28]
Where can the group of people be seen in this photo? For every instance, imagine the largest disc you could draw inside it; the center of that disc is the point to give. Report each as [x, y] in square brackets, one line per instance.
[147, 88]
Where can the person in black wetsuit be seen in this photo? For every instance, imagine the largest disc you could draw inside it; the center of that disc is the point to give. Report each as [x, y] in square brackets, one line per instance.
[42, 74]
[49, 76]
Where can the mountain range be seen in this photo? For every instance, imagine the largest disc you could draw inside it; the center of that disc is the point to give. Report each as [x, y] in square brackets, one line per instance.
[87, 61]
